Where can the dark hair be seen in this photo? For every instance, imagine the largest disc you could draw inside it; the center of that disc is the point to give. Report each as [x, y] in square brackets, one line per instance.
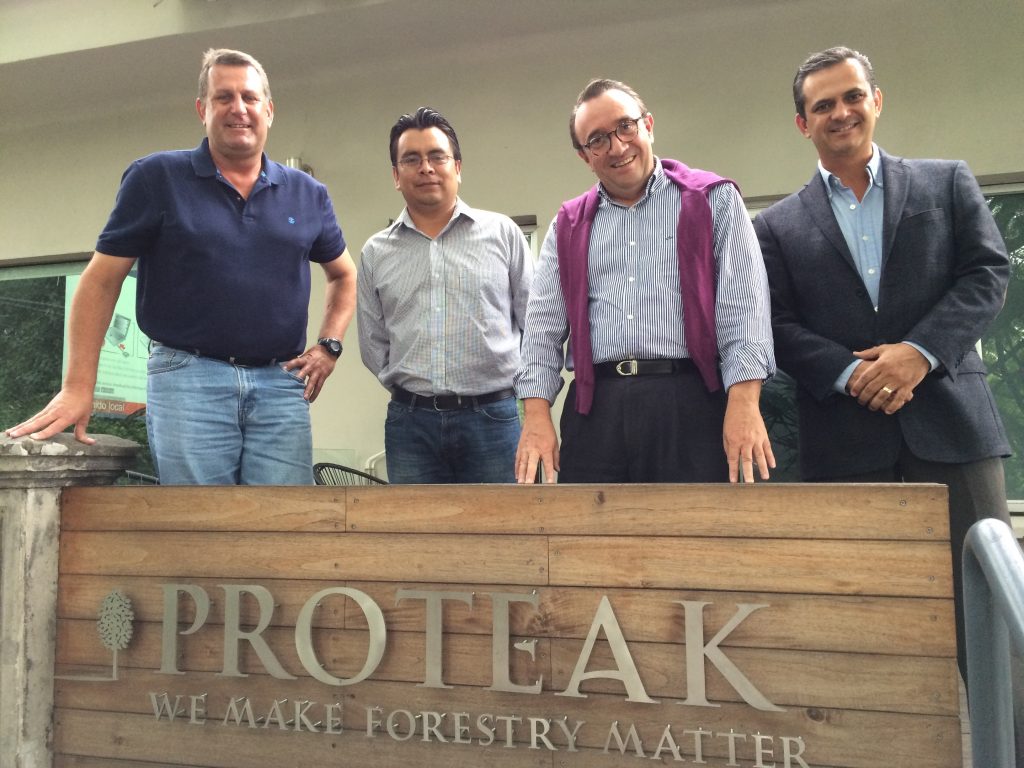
[228, 58]
[424, 117]
[824, 60]
[594, 89]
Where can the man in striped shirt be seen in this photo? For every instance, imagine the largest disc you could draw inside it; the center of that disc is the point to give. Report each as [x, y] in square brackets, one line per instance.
[655, 278]
[442, 298]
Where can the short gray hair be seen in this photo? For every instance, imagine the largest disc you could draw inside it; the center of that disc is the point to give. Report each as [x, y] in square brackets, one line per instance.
[228, 58]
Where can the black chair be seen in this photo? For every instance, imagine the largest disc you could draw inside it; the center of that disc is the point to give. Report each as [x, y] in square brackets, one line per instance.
[326, 473]
[131, 477]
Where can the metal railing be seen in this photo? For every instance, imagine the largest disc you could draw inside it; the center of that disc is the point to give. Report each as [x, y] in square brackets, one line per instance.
[994, 615]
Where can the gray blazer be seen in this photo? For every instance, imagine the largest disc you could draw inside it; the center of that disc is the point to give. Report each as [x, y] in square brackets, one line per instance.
[944, 277]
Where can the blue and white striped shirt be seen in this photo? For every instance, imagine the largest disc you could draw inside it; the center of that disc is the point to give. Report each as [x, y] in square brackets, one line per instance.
[444, 316]
[635, 306]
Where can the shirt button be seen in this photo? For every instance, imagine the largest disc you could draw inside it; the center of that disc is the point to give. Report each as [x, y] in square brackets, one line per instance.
[871, 271]
[865, 237]
[853, 207]
[629, 317]
[631, 279]
[632, 242]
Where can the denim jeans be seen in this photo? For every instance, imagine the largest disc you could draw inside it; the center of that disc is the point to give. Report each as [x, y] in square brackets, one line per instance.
[472, 445]
[213, 423]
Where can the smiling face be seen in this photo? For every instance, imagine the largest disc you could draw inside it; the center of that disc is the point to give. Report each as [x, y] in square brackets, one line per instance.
[427, 188]
[841, 110]
[626, 166]
[236, 112]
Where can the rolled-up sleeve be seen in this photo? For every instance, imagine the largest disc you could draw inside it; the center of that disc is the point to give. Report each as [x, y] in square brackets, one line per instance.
[547, 328]
[743, 305]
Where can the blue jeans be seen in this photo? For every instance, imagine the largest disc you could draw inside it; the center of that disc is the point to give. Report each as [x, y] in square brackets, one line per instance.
[472, 445]
[213, 423]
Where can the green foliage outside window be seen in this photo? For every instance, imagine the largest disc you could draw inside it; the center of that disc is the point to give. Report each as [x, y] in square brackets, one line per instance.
[31, 347]
[1003, 346]
[31, 343]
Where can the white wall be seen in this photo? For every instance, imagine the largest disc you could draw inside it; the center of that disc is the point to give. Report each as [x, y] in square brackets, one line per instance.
[716, 76]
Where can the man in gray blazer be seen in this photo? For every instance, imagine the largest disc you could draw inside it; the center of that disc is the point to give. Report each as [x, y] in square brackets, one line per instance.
[884, 273]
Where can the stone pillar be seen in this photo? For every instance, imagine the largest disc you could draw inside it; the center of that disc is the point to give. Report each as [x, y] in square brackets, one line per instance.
[32, 473]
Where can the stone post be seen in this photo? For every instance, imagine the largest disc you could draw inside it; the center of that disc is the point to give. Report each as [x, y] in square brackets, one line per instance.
[32, 473]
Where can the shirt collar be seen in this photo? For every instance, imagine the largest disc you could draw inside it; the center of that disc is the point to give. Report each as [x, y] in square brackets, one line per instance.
[203, 165]
[874, 168]
[657, 180]
[461, 209]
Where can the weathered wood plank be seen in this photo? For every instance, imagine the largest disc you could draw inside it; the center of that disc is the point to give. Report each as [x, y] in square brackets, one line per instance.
[787, 678]
[896, 512]
[889, 625]
[915, 569]
[898, 740]
[169, 508]
[871, 568]
[409, 557]
[136, 737]
[79, 761]
[466, 658]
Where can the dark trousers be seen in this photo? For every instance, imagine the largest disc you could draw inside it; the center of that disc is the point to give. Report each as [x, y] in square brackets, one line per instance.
[976, 490]
[645, 429]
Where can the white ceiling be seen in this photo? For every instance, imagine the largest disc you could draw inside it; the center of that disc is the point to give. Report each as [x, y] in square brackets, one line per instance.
[342, 38]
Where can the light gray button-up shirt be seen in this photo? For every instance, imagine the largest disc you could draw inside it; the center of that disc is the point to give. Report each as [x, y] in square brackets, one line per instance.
[445, 316]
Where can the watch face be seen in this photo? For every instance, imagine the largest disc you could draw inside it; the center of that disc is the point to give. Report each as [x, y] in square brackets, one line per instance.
[332, 345]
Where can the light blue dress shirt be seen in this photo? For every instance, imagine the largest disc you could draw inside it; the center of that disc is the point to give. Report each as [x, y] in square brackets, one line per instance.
[861, 225]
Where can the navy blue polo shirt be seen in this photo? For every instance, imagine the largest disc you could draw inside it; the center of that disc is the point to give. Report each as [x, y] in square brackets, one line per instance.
[216, 272]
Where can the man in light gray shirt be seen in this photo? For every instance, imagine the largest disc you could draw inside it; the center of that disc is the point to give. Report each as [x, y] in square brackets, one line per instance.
[442, 298]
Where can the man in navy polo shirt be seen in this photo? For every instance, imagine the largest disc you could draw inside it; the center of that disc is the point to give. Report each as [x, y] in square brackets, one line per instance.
[223, 238]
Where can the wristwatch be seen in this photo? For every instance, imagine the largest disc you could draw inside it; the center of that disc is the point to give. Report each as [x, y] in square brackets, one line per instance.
[333, 346]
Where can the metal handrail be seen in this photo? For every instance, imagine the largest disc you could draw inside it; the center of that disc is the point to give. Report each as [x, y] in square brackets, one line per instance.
[994, 615]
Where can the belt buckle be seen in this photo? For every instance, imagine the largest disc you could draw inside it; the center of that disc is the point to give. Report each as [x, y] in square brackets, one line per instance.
[631, 368]
[458, 402]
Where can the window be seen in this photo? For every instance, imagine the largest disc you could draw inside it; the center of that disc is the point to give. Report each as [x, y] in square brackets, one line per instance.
[33, 308]
[1002, 347]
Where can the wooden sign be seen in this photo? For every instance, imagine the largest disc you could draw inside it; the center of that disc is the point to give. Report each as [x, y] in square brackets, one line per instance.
[773, 626]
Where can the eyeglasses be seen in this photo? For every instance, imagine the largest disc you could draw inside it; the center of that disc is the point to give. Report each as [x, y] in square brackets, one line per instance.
[413, 162]
[626, 130]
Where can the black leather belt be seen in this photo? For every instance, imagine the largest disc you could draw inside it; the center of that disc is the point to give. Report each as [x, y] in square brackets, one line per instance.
[243, 362]
[449, 402]
[624, 368]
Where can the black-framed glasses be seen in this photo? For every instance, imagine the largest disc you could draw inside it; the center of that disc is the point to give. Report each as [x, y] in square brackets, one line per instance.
[626, 130]
[413, 162]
